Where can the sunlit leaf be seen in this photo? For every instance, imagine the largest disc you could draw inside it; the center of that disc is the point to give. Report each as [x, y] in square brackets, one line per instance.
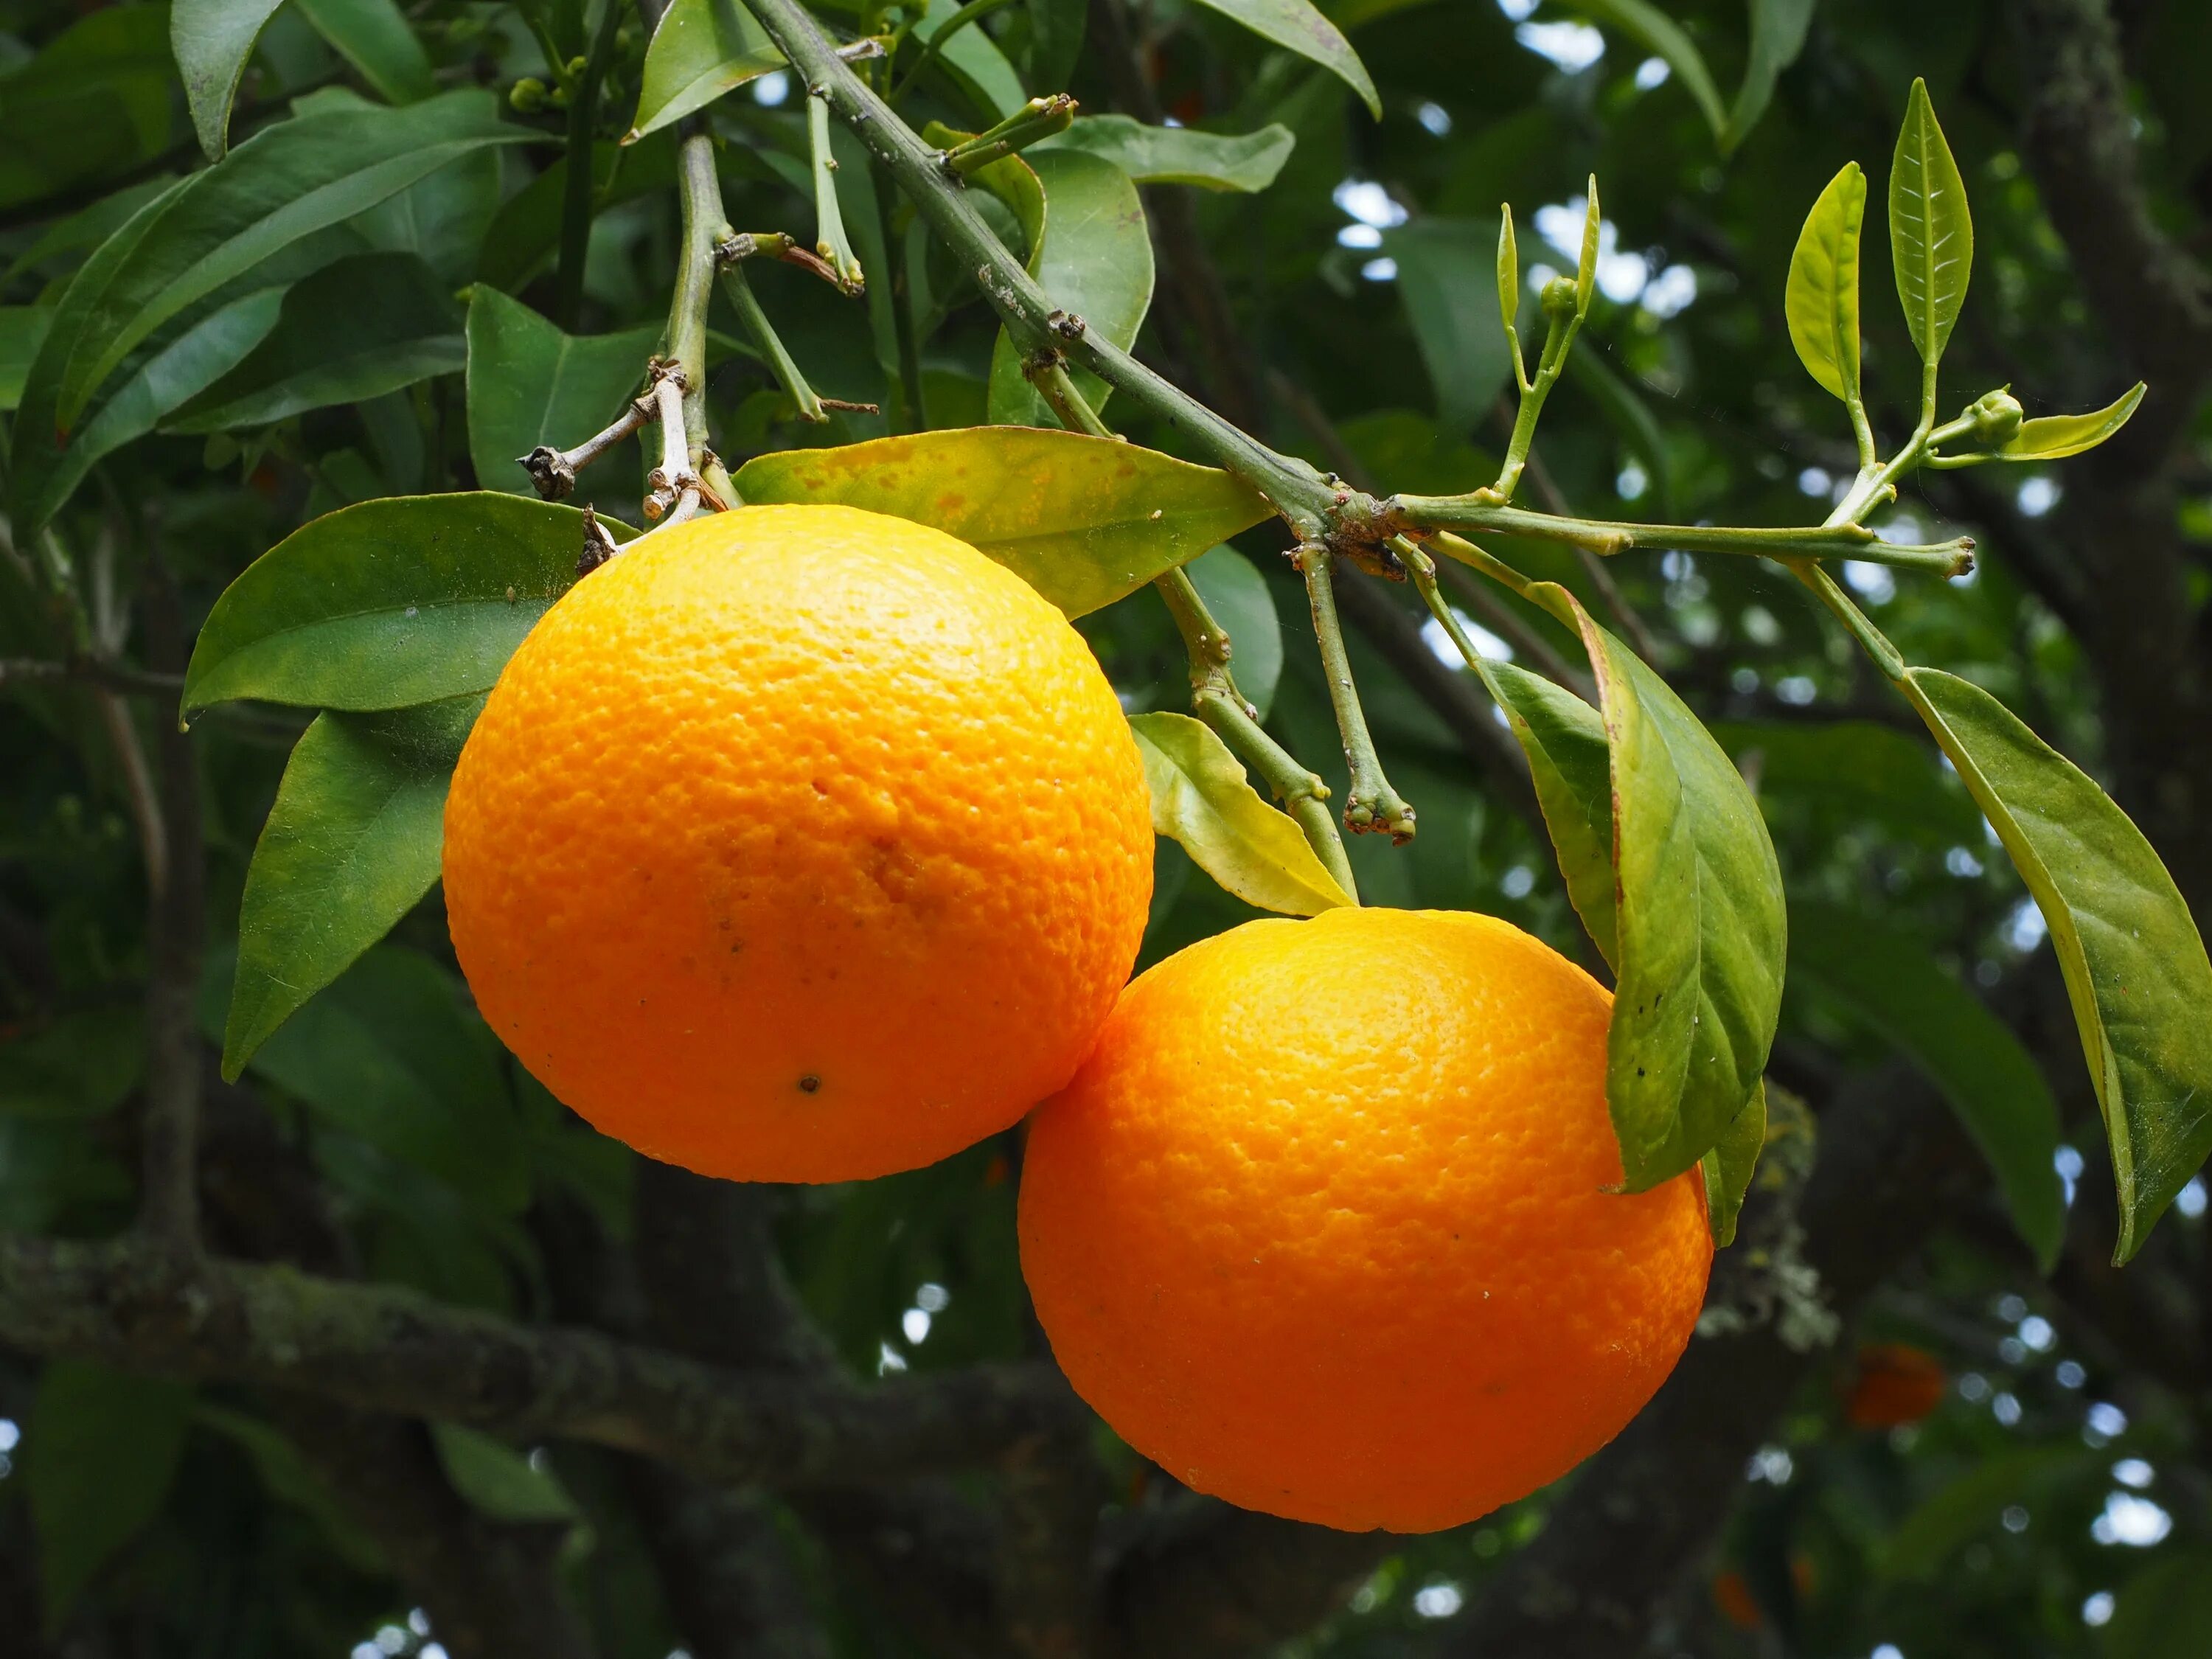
[1888, 980]
[1201, 800]
[2053, 437]
[701, 49]
[1822, 299]
[1298, 26]
[530, 384]
[1179, 155]
[351, 846]
[1932, 234]
[401, 325]
[1083, 521]
[2135, 964]
[388, 604]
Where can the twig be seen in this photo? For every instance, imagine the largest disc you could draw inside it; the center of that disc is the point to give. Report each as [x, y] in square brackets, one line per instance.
[108, 676]
[1371, 804]
[554, 471]
[579, 183]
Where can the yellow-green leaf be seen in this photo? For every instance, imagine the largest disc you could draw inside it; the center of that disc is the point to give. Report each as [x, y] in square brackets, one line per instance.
[1083, 521]
[1822, 299]
[1931, 234]
[1200, 799]
[2054, 437]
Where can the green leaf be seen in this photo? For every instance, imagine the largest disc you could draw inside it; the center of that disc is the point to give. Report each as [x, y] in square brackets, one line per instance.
[1094, 259]
[1586, 264]
[1508, 271]
[498, 1480]
[524, 234]
[973, 62]
[1083, 521]
[1238, 596]
[393, 601]
[530, 384]
[400, 326]
[1822, 300]
[1931, 234]
[288, 181]
[1656, 32]
[702, 48]
[351, 847]
[373, 36]
[1179, 155]
[2054, 437]
[1888, 980]
[21, 329]
[1442, 267]
[1699, 908]
[390, 1055]
[2135, 964]
[1971, 1507]
[166, 378]
[83, 1066]
[1729, 1166]
[1857, 769]
[1563, 738]
[286, 1477]
[1298, 26]
[1200, 799]
[1778, 35]
[96, 101]
[101, 1450]
[86, 228]
[2164, 1612]
[212, 40]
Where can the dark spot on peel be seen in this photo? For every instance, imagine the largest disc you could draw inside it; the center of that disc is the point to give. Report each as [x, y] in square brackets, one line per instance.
[809, 1083]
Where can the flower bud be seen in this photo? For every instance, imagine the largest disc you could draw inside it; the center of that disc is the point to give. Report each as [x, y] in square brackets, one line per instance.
[526, 96]
[1558, 298]
[1997, 417]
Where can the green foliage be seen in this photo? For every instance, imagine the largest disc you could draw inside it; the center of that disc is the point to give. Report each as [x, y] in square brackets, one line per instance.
[1083, 521]
[1181, 155]
[1200, 799]
[701, 49]
[103, 1447]
[1932, 234]
[1822, 301]
[1298, 26]
[530, 384]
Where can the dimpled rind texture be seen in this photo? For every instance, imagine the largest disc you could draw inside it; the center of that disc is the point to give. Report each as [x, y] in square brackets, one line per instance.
[799, 843]
[1321, 1225]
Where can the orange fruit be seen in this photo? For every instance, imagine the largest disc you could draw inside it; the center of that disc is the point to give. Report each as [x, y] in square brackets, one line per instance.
[799, 843]
[1322, 1226]
[1892, 1384]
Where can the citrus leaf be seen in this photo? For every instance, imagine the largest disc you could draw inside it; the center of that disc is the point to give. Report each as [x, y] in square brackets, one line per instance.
[1778, 35]
[500, 1480]
[1200, 799]
[394, 602]
[1238, 596]
[1442, 265]
[286, 1477]
[1298, 26]
[391, 1053]
[2054, 437]
[701, 49]
[1563, 738]
[83, 1066]
[1822, 299]
[212, 39]
[401, 326]
[373, 36]
[169, 376]
[95, 101]
[1857, 770]
[1889, 980]
[530, 384]
[288, 181]
[971, 60]
[1971, 1506]
[101, 1448]
[1660, 33]
[1931, 234]
[1509, 270]
[1699, 910]
[1083, 521]
[351, 847]
[1094, 259]
[2136, 968]
[1179, 155]
[1729, 1166]
[2164, 1612]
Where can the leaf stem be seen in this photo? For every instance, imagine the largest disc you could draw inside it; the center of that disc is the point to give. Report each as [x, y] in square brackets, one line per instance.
[1371, 804]
[830, 241]
[1036, 120]
[762, 333]
[1563, 323]
[701, 195]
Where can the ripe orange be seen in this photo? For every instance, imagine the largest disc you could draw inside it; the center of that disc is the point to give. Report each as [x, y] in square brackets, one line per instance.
[1321, 1225]
[1892, 1384]
[799, 843]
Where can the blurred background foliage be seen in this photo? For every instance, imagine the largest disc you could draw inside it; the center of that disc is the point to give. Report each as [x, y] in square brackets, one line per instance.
[1979, 1464]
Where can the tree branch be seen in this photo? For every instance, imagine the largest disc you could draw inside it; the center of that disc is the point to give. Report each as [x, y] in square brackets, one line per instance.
[126, 1303]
